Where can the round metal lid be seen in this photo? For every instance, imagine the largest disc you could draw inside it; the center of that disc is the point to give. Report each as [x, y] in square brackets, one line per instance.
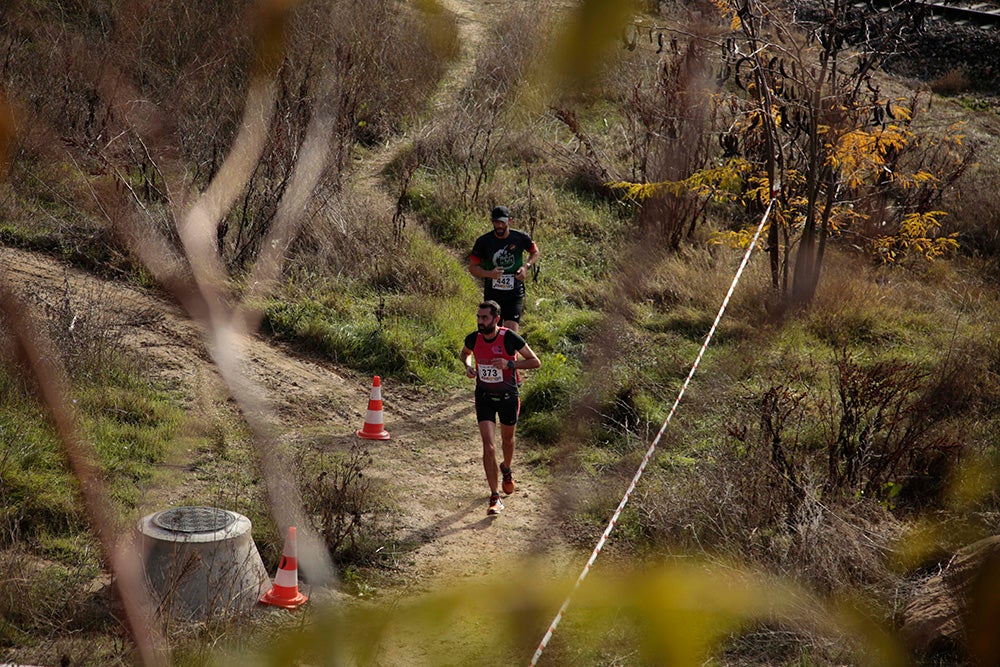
[194, 519]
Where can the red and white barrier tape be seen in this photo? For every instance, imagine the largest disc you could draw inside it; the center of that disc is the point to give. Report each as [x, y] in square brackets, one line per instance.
[652, 447]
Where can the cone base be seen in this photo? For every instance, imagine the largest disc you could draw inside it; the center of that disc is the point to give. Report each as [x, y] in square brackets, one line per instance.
[384, 435]
[287, 603]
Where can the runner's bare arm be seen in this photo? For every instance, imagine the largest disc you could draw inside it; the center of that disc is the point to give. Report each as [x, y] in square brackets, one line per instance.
[464, 355]
[476, 269]
[528, 359]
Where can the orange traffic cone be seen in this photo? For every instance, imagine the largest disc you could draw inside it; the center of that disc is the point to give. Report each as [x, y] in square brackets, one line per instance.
[285, 591]
[373, 429]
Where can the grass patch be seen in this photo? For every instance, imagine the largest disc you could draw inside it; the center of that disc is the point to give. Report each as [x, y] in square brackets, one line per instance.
[547, 397]
[52, 591]
[451, 226]
[127, 420]
[405, 319]
[409, 337]
[556, 327]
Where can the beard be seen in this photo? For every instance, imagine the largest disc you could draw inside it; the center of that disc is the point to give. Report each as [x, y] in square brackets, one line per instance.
[486, 329]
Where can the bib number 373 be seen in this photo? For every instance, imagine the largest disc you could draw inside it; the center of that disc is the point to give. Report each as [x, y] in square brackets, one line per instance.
[489, 374]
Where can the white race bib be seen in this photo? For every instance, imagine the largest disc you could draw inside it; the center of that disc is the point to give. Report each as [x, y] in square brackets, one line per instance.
[504, 282]
[489, 374]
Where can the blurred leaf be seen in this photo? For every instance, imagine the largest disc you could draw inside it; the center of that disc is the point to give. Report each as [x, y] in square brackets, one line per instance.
[272, 27]
[680, 614]
[587, 37]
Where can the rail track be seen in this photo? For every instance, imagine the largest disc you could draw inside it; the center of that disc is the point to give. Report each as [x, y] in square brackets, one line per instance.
[980, 14]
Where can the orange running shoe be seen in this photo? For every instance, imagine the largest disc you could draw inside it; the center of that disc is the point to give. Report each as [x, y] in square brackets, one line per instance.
[508, 480]
[496, 505]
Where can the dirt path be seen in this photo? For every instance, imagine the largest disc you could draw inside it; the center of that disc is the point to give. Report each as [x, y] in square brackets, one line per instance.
[435, 454]
[157, 327]
[433, 460]
[432, 464]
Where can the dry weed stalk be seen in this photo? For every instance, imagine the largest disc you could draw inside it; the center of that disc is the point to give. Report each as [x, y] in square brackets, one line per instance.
[198, 279]
[196, 276]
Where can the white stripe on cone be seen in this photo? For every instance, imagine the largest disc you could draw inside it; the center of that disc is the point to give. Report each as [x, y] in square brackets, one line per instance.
[285, 590]
[289, 578]
[373, 428]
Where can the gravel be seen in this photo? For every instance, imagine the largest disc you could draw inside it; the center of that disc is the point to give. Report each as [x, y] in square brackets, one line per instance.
[937, 50]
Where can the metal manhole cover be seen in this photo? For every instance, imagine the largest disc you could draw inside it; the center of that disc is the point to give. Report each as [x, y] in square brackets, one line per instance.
[194, 519]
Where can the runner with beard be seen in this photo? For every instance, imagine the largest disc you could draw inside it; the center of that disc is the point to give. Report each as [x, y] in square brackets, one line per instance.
[490, 355]
[498, 258]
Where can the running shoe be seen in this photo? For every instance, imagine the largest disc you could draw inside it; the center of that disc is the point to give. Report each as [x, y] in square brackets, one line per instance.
[508, 479]
[496, 505]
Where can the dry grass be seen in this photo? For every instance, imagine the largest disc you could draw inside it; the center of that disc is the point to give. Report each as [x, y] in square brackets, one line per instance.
[477, 138]
[952, 82]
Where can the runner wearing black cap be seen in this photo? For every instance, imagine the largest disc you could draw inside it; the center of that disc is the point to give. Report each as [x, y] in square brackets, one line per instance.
[498, 258]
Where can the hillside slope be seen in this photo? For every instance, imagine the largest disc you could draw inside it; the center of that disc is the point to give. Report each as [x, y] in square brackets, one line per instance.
[432, 462]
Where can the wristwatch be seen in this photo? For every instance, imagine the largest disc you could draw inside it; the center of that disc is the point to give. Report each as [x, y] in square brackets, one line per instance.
[510, 364]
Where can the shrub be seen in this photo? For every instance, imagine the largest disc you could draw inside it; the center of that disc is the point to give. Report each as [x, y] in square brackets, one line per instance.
[818, 476]
[884, 428]
[348, 509]
[729, 509]
[88, 329]
[952, 82]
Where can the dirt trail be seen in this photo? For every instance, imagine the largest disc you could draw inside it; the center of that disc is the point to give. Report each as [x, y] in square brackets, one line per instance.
[433, 460]
[432, 464]
[435, 454]
[159, 328]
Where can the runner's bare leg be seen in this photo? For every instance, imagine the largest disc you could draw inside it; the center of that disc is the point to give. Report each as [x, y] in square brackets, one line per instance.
[487, 430]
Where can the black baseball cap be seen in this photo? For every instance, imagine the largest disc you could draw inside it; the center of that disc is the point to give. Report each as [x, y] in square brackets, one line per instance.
[500, 213]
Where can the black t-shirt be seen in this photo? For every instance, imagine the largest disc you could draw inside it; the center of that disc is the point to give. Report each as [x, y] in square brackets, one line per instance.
[507, 254]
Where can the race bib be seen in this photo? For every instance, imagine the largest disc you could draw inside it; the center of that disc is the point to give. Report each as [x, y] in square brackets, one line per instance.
[504, 282]
[489, 373]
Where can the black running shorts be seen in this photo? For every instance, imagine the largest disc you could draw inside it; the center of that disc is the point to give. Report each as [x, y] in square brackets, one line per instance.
[510, 307]
[506, 405]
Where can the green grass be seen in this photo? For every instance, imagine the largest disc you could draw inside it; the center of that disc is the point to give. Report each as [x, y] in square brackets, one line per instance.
[126, 420]
[396, 335]
[451, 226]
[553, 326]
[47, 547]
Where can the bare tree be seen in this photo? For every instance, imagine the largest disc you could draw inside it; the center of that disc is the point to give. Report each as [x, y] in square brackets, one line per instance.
[830, 141]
